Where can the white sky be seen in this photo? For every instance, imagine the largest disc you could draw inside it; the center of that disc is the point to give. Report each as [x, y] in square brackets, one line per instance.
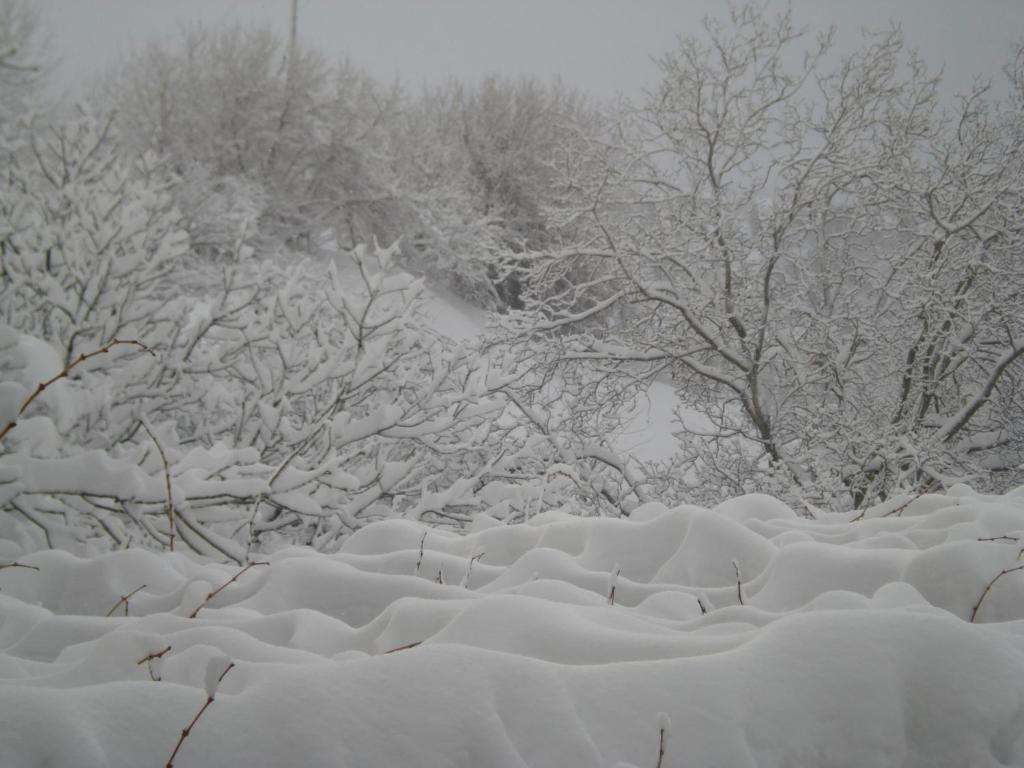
[601, 46]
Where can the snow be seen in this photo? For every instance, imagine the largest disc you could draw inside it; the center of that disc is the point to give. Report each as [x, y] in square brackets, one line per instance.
[886, 640]
[450, 315]
[649, 430]
[30, 361]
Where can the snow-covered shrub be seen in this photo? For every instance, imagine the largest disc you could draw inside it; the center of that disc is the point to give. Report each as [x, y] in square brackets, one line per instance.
[253, 126]
[268, 401]
[823, 260]
[281, 406]
[90, 239]
[567, 424]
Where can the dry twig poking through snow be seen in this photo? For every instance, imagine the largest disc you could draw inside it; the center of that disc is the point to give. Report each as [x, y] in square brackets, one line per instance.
[212, 682]
[663, 726]
[419, 563]
[124, 601]
[992, 583]
[41, 387]
[227, 583]
[613, 582]
[405, 647]
[148, 660]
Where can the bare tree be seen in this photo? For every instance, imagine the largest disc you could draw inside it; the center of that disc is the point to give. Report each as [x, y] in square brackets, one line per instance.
[820, 260]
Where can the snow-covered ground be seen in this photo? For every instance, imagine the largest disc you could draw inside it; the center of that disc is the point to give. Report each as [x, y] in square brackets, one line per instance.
[563, 642]
[648, 431]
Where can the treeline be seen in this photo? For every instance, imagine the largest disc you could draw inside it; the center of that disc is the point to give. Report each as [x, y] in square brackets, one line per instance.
[266, 149]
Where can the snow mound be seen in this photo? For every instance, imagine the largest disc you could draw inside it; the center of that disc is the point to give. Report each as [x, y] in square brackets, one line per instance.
[742, 636]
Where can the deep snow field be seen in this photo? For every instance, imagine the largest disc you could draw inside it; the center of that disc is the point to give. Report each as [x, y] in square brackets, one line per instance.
[561, 642]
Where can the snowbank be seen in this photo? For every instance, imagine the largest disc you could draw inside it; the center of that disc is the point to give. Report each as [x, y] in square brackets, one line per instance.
[896, 639]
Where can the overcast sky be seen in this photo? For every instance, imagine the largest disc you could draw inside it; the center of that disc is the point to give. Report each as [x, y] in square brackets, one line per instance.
[602, 46]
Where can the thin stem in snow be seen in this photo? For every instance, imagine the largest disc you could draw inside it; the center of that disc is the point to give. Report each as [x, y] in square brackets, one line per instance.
[227, 583]
[148, 660]
[188, 728]
[988, 588]
[419, 563]
[124, 601]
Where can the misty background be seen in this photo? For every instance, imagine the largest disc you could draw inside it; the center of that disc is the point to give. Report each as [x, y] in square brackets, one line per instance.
[602, 46]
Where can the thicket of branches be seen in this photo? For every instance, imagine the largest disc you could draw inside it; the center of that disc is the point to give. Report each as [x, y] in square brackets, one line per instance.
[273, 150]
[269, 400]
[272, 397]
[478, 165]
[823, 262]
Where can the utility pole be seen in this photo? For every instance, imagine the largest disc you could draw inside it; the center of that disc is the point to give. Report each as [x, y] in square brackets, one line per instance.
[289, 55]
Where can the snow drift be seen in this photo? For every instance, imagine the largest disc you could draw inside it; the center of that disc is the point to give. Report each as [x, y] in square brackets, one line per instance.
[742, 636]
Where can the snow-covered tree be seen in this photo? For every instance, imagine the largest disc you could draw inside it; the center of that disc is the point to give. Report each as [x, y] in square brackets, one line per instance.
[285, 147]
[232, 404]
[821, 261]
[477, 162]
[91, 239]
[277, 407]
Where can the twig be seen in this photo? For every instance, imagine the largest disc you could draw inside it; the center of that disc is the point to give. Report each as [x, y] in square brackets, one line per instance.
[405, 647]
[227, 583]
[703, 608]
[897, 511]
[902, 507]
[419, 562]
[167, 481]
[35, 520]
[149, 659]
[18, 565]
[188, 729]
[988, 588]
[124, 599]
[198, 532]
[663, 726]
[614, 583]
[469, 569]
[41, 387]
[154, 655]
[739, 581]
[1000, 538]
